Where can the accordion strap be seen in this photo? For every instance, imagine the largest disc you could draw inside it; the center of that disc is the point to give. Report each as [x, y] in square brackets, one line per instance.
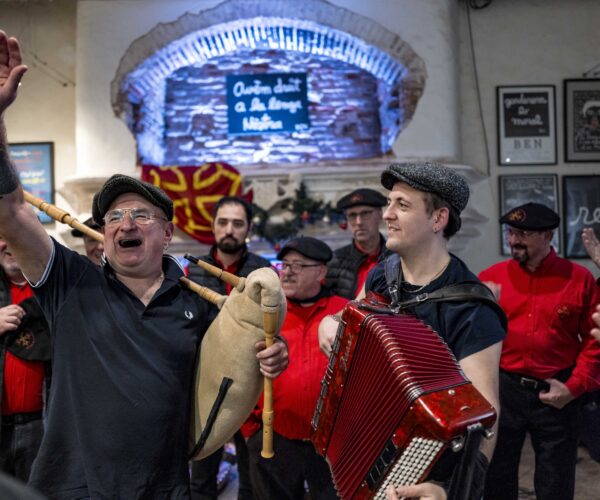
[465, 291]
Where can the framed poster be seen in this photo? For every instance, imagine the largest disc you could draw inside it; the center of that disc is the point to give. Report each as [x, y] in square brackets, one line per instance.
[526, 125]
[517, 190]
[267, 103]
[582, 120]
[581, 208]
[35, 164]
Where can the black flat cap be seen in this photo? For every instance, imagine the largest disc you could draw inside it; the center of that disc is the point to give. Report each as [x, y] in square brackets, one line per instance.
[309, 247]
[532, 217]
[363, 196]
[430, 177]
[120, 184]
[89, 223]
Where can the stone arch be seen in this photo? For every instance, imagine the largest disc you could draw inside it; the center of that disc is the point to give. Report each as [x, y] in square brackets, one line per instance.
[310, 26]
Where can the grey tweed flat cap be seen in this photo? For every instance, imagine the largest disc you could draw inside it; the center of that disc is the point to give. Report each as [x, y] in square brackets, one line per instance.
[120, 184]
[430, 177]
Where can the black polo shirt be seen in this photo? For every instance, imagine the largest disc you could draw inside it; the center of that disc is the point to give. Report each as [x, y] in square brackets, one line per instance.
[119, 406]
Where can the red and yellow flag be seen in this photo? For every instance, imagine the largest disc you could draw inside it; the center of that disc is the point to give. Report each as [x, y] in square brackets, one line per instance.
[194, 191]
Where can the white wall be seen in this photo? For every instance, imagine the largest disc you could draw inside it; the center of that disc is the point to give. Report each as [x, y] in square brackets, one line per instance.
[516, 42]
[520, 42]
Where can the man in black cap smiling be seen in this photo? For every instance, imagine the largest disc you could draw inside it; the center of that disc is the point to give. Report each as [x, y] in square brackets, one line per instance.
[549, 359]
[348, 270]
[295, 392]
[425, 202]
[94, 249]
[124, 336]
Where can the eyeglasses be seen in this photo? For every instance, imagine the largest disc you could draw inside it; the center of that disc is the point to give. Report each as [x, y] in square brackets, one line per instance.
[518, 233]
[296, 267]
[141, 216]
[362, 214]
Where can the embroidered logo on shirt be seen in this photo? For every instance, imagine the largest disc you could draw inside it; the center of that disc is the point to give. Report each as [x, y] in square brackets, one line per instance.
[25, 339]
[564, 311]
[189, 315]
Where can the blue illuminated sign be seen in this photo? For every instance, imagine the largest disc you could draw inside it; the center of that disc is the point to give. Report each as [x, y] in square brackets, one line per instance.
[267, 103]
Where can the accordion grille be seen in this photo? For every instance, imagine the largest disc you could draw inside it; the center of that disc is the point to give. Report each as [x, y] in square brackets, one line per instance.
[399, 360]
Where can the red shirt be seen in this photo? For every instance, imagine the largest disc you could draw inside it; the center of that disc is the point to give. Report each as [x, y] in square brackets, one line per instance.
[296, 390]
[23, 380]
[549, 320]
[369, 263]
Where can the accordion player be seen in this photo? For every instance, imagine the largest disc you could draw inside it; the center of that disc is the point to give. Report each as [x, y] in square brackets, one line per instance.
[393, 400]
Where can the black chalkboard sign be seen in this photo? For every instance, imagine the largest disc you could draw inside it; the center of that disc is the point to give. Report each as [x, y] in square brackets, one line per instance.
[581, 206]
[267, 103]
[526, 125]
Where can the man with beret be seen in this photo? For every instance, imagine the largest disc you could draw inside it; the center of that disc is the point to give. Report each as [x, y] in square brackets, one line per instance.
[231, 225]
[425, 202]
[94, 249]
[348, 270]
[549, 359]
[25, 369]
[125, 337]
[295, 392]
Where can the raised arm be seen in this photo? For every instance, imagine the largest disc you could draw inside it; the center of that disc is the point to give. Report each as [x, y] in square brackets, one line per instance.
[19, 226]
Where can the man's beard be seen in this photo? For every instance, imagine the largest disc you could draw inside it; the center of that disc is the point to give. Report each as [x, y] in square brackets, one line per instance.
[230, 245]
[522, 257]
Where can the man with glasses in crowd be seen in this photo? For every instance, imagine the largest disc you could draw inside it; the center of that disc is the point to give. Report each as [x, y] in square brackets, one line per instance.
[549, 359]
[94, 249]
[348, 270]
[295, 392]
[231, 225]
[124, 336]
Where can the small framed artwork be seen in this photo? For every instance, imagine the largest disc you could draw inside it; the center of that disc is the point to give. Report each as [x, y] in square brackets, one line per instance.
[517, 190]
[526, 125]
[34, 162]
[582, 120]
[581, 208]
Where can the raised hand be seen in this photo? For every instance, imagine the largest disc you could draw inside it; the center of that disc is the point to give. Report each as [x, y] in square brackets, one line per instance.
[11, 70]
[591, 244]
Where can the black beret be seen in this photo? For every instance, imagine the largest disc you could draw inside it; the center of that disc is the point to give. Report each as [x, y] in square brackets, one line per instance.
[120, 184]
[89, 223]
[430, 177]
[309, 247]
[532, 217]
[363, 196]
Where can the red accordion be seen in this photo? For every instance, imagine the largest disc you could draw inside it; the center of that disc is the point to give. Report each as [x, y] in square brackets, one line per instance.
[392, 400]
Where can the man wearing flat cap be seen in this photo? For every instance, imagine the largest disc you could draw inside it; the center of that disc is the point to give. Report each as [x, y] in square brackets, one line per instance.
[295, 392]
[348, 270]
[125, 337]
[94, 249]
[549, 359]
[425, 202]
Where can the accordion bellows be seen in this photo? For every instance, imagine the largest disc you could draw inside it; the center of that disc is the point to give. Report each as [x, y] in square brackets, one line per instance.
[392, 400]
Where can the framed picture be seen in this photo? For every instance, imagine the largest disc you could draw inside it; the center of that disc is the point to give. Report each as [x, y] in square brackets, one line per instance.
[526, 125]
[582, 120]
[581, 208]
[517, 190]
[35, 164]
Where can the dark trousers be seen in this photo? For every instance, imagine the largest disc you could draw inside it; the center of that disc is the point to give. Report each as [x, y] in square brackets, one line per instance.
[282, 477]
[19, 445]
[203, 483]
[554, 436]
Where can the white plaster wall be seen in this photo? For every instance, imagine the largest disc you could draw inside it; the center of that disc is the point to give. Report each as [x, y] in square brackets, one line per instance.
[520, 42]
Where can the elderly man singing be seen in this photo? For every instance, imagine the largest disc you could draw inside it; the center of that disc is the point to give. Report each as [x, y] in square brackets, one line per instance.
[125, 337]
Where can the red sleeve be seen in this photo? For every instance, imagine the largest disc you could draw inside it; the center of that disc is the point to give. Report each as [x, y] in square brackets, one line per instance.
[586, 374]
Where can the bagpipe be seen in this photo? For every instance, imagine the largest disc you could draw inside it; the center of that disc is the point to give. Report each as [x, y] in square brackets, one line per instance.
[393, 399]
[228, 381]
